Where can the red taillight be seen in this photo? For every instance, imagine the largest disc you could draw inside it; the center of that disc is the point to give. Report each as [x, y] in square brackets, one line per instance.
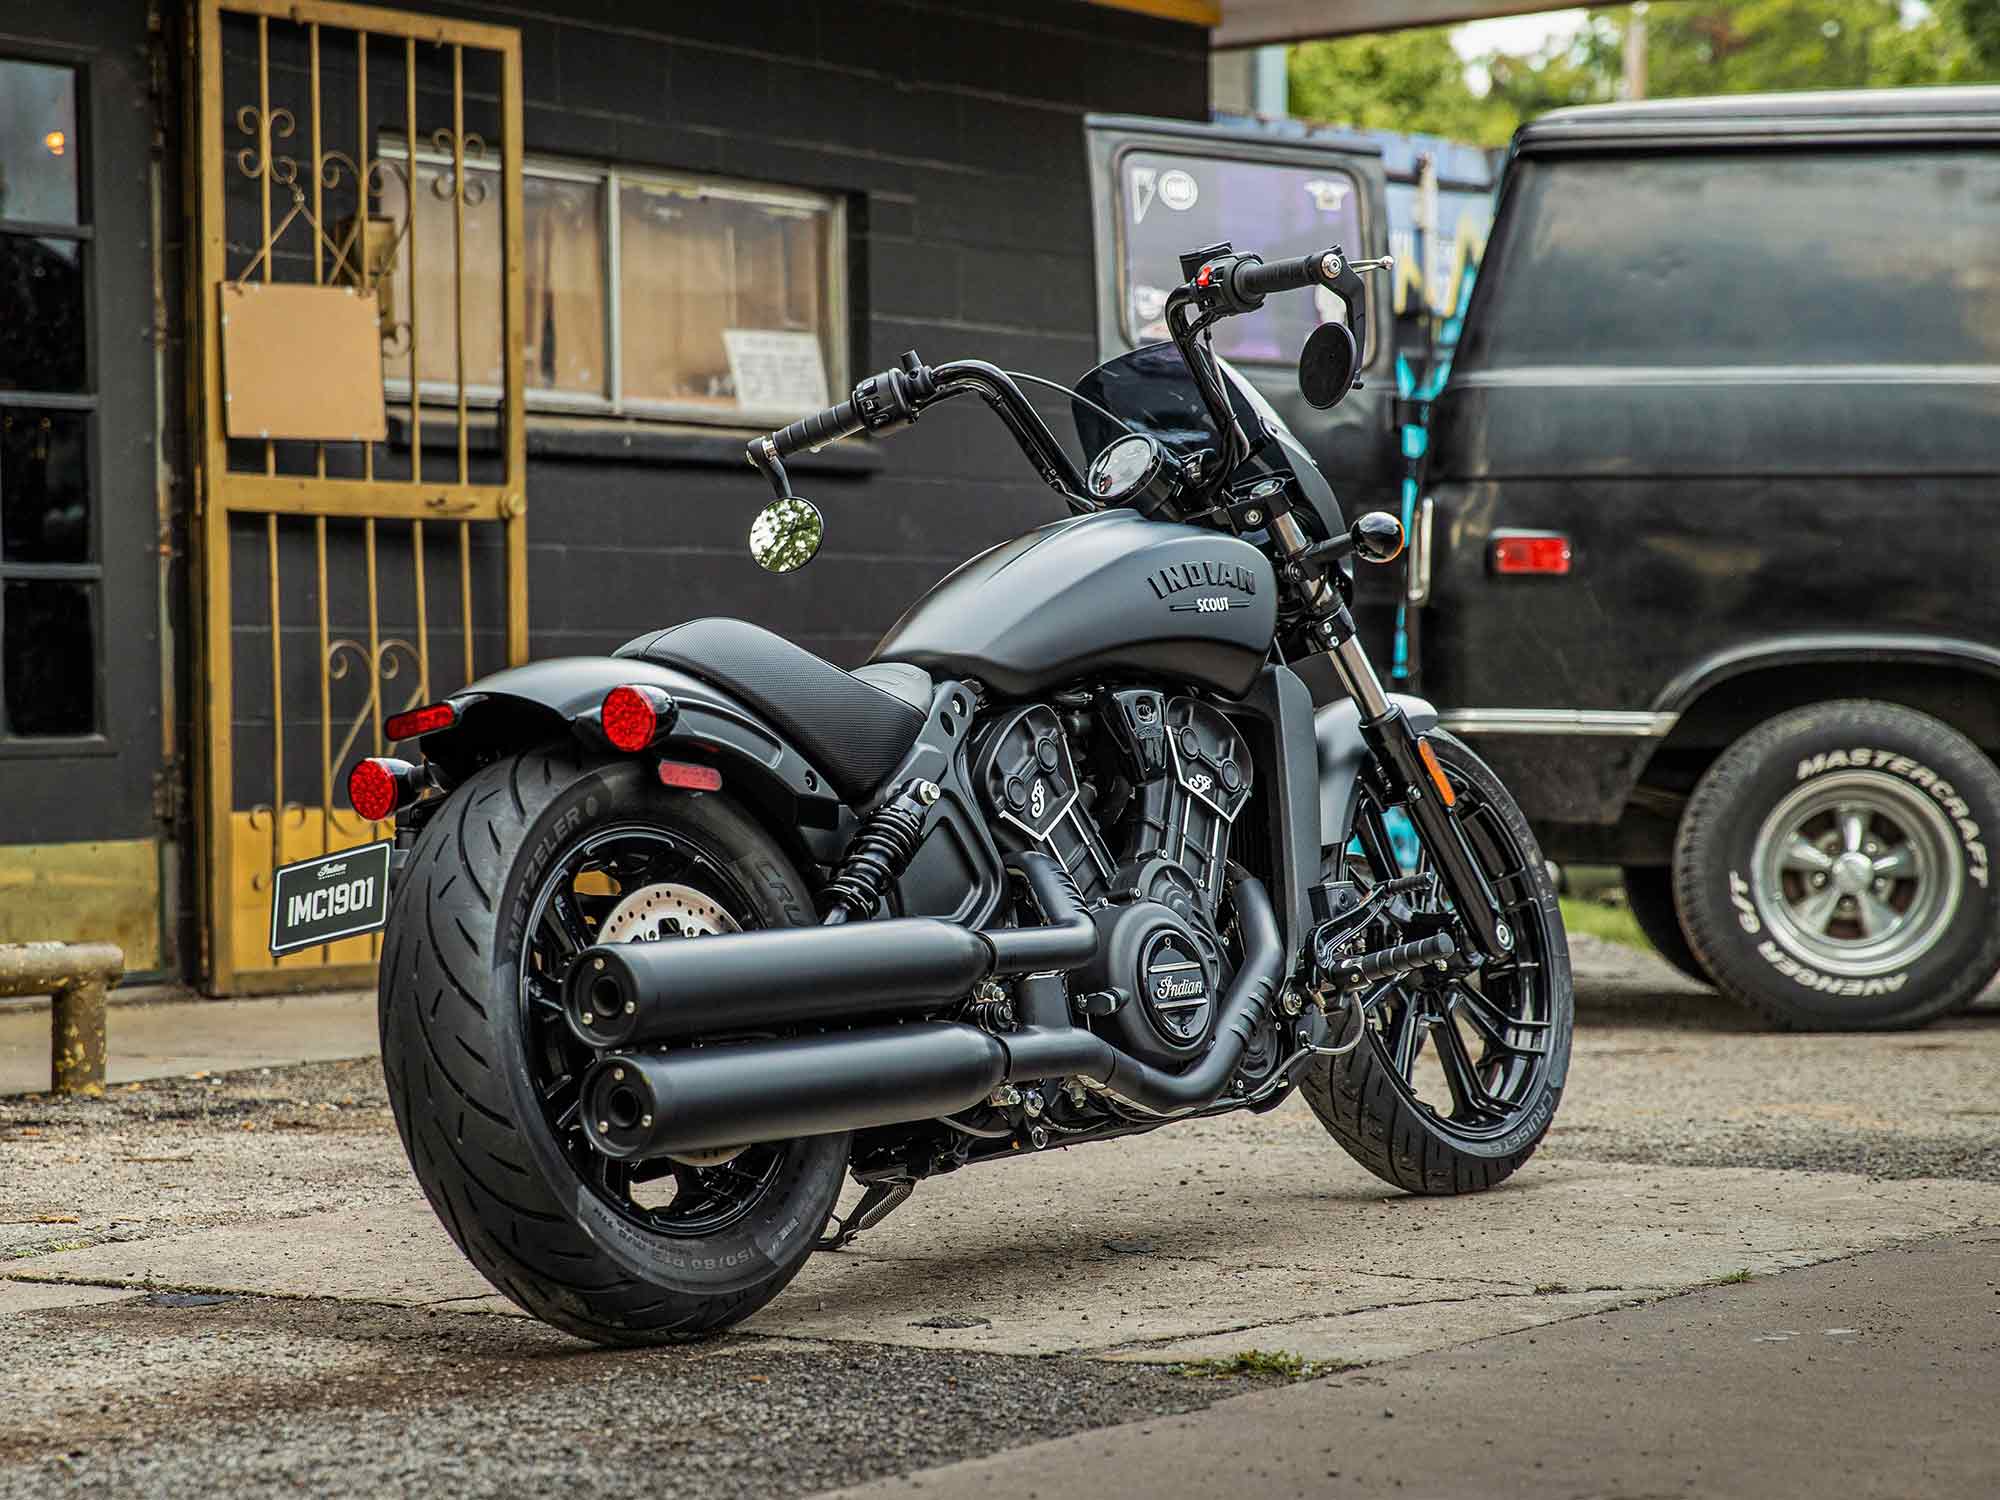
[420, 721]
[378, 787]
[633, 717]
[1544, 552]
[690, 778]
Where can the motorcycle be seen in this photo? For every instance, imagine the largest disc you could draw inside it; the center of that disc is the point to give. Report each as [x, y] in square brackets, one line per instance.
[683, 937]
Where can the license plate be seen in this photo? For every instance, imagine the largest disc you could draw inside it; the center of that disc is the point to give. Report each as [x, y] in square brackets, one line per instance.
[335, 896]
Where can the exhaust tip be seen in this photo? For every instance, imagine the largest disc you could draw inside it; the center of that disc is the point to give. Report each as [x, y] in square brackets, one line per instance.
[598, 1001]
[619, 1109]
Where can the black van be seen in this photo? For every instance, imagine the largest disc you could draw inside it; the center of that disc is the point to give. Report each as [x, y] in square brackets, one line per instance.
[1707, 566]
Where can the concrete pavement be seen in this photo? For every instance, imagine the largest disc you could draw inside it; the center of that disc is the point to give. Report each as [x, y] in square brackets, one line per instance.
[1865, 1377]
[177, 1037]
[1003, 1306]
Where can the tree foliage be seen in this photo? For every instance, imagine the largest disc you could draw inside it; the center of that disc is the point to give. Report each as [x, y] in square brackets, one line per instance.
[1415, 81]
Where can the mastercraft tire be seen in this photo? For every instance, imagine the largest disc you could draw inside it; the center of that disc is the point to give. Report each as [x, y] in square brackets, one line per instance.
[1831, 869]
[1649, 896]
[465, 1058]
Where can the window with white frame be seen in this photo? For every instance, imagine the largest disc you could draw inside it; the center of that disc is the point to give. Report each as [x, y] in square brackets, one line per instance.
[648, 294]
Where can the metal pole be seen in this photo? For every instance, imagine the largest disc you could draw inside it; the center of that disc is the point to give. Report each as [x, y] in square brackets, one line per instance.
[1635, 52]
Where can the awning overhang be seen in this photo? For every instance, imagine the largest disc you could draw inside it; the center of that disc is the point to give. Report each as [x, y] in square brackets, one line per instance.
[1251, 23]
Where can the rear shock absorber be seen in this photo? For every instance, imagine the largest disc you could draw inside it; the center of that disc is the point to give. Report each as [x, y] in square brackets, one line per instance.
[881, 851]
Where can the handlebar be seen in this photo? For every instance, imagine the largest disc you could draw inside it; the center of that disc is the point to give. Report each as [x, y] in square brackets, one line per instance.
[819, 429]
[895, 398]
[1254, 280]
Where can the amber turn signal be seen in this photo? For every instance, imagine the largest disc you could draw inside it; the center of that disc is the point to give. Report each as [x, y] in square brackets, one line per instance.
[1430, 760]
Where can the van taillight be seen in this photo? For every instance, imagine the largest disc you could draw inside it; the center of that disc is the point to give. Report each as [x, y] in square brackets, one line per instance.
[1543, 552]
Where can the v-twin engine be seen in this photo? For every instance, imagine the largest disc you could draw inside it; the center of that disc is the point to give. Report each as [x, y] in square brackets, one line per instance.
[1145, 835]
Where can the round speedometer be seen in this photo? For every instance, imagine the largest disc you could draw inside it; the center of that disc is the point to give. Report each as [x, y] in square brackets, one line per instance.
[1133, 470]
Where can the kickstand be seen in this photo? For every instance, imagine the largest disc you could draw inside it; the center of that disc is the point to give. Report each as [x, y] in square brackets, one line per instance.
[881, 1200]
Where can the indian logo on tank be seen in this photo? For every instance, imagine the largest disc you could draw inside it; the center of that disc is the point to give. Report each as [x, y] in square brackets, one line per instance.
[1179, 577]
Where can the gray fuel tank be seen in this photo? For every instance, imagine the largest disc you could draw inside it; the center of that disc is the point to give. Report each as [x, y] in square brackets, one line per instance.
[1104, 594]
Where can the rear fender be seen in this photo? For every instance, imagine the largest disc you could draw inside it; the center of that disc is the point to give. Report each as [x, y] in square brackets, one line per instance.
[544, 701]
[1342, 755]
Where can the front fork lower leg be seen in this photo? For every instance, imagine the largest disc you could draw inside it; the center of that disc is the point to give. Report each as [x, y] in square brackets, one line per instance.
[1408, 783]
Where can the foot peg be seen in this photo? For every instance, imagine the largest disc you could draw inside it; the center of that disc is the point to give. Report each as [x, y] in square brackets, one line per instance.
[1387, 963]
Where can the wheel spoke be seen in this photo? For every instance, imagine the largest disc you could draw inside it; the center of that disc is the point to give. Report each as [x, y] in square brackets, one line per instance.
[1493, 1024]
[1461, 1074]
[1805, 857]
[1816, 911]
[566, 922]
[1900, 863]
[1409, 1038]
[1853, 827]
[1877, 915]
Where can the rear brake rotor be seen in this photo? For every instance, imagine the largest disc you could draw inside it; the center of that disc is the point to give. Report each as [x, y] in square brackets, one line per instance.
[658, 913]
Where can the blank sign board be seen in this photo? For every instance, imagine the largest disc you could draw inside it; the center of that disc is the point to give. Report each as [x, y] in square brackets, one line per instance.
[301, 362]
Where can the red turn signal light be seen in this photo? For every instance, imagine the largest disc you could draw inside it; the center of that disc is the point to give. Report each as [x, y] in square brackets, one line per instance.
[1543, 552]
[634, 716]
[379, 787]
[419, 721]
[688, 777]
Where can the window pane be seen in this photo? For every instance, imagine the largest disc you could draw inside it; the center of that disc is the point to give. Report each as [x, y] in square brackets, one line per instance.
[38, 145]
[41, 314]
[563, 238]
[431, 247]
[719, 290]
[563, 233]
[1747, 258]
[47, 657]
[44, 493]
[1174, 204]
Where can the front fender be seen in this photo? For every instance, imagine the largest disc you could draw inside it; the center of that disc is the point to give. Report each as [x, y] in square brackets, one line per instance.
[533, 704]
[1342, 754]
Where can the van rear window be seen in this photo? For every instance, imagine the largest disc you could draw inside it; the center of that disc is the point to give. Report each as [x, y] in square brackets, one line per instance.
[1175, 203]
[1745, 258]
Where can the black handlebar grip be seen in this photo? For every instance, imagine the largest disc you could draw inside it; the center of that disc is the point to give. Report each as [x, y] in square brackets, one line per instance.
[1256, 280]
[819, 429]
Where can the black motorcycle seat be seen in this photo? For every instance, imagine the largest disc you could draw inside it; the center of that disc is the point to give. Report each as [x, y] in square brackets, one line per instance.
[854, 726]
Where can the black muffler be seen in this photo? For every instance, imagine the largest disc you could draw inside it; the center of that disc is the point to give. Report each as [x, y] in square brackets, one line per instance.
[631, 994]
[736, 1094]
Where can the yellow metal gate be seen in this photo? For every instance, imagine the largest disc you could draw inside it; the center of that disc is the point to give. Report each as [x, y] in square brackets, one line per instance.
[360, 443]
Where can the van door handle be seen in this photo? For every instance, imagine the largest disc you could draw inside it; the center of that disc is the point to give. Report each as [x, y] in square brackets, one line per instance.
[1418, 589]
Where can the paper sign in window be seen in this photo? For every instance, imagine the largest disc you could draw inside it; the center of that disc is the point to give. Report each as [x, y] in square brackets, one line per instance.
[776, 371]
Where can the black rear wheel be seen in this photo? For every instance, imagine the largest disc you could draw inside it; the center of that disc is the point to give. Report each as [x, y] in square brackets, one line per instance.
[1455, 1076]
[532, 860]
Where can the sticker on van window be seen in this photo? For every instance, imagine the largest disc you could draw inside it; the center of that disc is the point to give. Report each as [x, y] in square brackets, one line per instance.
[1179, 191]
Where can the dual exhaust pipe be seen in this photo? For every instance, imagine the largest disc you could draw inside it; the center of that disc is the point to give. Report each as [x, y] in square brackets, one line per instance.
[734, 1093]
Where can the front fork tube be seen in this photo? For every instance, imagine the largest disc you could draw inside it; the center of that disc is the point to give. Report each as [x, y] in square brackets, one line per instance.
[1407, 783]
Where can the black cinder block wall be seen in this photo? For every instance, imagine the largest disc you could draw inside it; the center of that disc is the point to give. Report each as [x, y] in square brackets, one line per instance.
[954, 132]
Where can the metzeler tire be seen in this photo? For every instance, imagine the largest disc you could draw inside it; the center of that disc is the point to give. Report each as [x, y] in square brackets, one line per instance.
[1831, 869]
[1649, 896]
[453, 1009]
[1367, 1105]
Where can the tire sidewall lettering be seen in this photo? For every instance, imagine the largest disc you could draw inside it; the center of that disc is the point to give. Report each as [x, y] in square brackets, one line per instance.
[1957, 810]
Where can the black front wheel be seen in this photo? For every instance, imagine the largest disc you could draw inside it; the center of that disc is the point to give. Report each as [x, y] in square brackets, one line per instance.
[1454, 1076]
[532, 860]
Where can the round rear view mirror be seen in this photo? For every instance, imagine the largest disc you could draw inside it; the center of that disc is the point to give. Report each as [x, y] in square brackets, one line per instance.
[786, 534]
[1327, 364]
